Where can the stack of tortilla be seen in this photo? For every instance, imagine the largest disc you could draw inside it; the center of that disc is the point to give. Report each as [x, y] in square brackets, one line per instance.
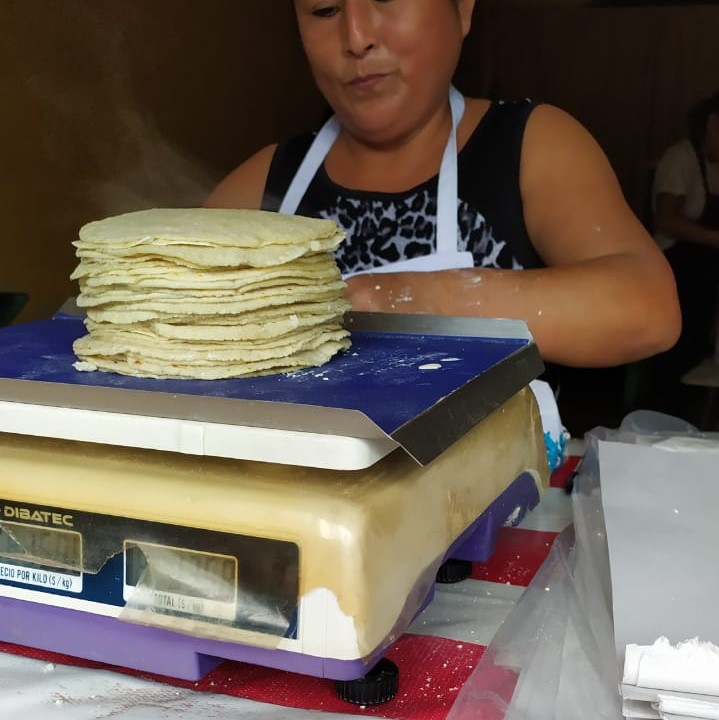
[209, 294]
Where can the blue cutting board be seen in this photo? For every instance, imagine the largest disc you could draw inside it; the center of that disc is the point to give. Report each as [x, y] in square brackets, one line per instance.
[391, 377]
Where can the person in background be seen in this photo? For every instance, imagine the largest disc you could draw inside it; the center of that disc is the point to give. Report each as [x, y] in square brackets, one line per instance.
[456, 205]
[686, 226]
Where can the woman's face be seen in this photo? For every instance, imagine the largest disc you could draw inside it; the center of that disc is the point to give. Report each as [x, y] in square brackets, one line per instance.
[383, 65]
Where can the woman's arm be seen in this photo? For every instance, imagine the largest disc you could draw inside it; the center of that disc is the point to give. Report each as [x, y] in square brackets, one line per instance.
[607, 295]
[669, 221]
[244, 187]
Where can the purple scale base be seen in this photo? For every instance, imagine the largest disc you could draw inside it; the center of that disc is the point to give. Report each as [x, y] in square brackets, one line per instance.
[162, 652]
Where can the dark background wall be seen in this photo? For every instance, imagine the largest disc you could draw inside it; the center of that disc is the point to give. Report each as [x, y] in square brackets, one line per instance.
[110, 106]
[629, 72]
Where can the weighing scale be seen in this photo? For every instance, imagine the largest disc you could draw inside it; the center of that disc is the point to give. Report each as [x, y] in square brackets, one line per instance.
[295, 521]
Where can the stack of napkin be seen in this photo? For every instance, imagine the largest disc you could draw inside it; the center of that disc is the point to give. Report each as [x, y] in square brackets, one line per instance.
[671, 682]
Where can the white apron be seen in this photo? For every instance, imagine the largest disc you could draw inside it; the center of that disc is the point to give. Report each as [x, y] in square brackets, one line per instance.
[447, 256]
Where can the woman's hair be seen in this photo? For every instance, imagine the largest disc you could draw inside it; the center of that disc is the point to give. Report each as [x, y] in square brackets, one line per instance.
[698, 117]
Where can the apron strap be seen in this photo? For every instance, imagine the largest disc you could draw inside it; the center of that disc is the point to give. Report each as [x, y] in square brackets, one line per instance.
[447, 190]
[311, 163]
[447, 194]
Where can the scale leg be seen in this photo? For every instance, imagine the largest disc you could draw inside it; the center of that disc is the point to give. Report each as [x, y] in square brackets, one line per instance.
[378, 686]
[454, 571]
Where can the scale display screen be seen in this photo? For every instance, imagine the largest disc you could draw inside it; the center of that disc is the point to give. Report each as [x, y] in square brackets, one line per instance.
[181, 581]
[41, 556]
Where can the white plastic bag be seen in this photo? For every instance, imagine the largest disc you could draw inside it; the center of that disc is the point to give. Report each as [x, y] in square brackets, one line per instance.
[554, 657]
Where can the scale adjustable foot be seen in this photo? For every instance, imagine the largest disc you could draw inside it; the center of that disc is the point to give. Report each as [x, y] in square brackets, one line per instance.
[379, 685]
[454, 571]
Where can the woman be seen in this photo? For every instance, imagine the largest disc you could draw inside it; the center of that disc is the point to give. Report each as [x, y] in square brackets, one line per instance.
[686, 223]
[686, 182]
[533, 191]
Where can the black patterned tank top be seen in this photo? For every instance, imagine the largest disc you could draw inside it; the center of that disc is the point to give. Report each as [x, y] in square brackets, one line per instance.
[386, 227]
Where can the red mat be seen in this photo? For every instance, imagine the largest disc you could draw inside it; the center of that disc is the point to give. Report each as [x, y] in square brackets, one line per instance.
[517, 557]
[432, 672]
[562, 475]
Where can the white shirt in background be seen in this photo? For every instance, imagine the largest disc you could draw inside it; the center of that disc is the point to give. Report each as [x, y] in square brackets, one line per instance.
[678, 173]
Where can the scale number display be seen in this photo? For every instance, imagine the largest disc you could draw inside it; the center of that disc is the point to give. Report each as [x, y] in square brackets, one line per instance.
[179, 581]
[41, 556]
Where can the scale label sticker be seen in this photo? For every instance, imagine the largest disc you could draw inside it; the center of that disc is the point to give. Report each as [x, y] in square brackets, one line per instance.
[41, 556]
[41, 578]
